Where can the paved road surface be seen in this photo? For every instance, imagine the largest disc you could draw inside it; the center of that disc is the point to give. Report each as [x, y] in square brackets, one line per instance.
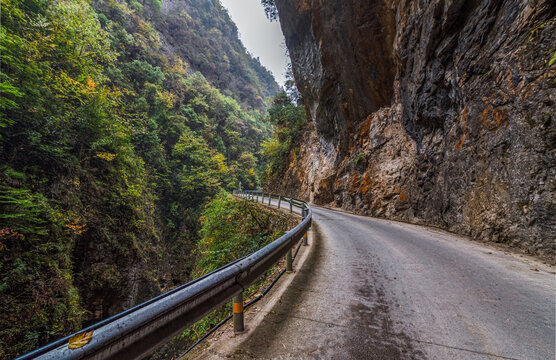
[375, 289]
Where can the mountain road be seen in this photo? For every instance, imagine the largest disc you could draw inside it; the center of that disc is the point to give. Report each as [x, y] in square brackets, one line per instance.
[379, 289]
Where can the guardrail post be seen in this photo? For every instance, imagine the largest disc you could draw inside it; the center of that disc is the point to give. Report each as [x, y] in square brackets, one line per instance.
[269, 198]
[289, 265]
[279, 199]
[291, 209]
[238, 313]
[304, 212]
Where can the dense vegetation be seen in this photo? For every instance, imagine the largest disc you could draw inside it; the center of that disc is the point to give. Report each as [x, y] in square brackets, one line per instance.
[289, 119]
[110, 145]
[231, 229]
[203, 34]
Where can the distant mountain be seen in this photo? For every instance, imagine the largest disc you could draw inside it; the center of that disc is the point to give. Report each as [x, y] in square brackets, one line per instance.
[202, 32]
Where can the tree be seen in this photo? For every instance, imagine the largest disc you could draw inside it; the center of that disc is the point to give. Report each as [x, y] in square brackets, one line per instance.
[291, 86]
[270, 9]
[289, 120]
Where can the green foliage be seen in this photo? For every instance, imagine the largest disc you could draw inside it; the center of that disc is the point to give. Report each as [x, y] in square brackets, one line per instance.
[204, 36]
[201, 327]
[136, 6]
[109, 151]
[35, 285]
[233, 228]
[553, 60]
[142, 72]
[358, 158]
[78, 32]
[202, 171]
[289, 120]
[26, 213]
[157, 5]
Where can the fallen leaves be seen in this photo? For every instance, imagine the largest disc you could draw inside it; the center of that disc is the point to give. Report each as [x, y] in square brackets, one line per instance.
[79, 340]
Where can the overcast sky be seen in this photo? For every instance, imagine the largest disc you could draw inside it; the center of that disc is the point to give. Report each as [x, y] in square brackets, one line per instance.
[261, 37]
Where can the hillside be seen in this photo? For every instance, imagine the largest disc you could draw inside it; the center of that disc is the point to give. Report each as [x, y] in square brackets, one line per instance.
[202, 33]
[119, 121]
[438, 112]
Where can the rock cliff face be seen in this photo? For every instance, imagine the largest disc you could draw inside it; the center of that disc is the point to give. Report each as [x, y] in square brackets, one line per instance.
[439, 112]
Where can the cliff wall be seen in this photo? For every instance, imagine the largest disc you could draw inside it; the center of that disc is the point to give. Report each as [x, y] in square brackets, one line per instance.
[438, 112]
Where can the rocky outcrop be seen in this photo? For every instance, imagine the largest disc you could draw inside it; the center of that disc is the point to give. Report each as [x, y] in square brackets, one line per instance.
[439, 112]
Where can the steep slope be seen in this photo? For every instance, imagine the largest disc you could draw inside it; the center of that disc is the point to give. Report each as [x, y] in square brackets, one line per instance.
[202, 33]
[110, 145]
[438, 112]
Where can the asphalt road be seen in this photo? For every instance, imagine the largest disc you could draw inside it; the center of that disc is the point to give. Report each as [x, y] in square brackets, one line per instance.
[377, 289]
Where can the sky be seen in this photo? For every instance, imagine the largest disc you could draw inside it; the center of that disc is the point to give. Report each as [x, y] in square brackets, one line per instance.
[261, 37]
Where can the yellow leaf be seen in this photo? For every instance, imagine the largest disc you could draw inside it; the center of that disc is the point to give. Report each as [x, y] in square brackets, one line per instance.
[80, 340]
[106, 156]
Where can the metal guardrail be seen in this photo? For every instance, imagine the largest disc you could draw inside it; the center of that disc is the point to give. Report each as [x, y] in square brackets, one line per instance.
[256, 194]
[137, 332]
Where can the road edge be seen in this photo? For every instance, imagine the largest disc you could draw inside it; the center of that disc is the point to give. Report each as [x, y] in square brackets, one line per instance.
[223, 342]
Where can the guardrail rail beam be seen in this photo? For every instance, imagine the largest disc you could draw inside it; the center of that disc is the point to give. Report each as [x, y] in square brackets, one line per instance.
[137, 332]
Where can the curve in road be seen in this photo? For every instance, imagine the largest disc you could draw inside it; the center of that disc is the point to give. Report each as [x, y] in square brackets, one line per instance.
[378, 289]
